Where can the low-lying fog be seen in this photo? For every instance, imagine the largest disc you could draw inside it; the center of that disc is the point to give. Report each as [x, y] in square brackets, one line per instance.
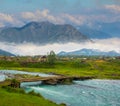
[35, 49]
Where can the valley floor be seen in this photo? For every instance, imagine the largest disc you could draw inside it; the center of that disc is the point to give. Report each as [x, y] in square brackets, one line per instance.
[99, 68]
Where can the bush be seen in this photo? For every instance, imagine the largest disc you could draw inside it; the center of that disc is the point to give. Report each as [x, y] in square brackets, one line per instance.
[16, 90]
[35, 94]
[15, 83]
[63, 104]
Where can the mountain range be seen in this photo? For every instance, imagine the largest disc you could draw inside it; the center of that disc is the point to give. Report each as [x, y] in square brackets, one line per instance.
[94, 33]
[5, 53]
[42, 33]
[89, 52]
[110, 28]
[46, 33]
[101, 30]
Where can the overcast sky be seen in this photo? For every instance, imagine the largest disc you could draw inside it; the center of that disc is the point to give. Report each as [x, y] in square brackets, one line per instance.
[33, 49]
[77, 12]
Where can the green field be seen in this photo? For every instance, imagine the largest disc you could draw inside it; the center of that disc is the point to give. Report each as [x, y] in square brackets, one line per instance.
[98, 68]
[107, 68]
[14, 97]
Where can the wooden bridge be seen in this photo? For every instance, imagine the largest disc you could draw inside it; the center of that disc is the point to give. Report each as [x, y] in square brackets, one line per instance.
[45, 80]
[55, 80]
[48, 80]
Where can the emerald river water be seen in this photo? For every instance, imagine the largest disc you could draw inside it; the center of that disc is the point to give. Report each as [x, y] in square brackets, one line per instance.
[81, 93]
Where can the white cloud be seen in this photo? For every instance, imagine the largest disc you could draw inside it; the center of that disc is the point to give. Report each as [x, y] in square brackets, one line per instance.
[6, 17]
[58, 19]
[20, 19]
[74, 19]
[113, 8]
[41, 16]
[61, 18]
[10, 19]
[28, 15]
[32, 49]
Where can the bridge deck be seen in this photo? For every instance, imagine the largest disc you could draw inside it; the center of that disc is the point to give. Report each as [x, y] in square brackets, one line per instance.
[42, 79]
[46, 80]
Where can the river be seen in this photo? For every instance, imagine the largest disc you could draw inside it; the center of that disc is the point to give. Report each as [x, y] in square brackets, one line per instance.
[81, 93]
[3, 74]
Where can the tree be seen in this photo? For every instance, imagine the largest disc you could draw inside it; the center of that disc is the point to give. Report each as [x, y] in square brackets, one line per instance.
[15, 83]
[51, 58]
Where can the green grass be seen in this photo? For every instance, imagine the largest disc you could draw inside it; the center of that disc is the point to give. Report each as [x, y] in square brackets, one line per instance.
[102, 69]
[9, 98]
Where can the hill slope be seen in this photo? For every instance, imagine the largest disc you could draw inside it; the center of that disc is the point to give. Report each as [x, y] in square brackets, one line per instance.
[101, 30]
[89, 52]
[94, 33]
[5, 53]
[42, 33]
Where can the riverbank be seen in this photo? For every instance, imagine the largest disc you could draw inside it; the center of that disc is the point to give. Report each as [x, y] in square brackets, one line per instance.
[82, 93]
[14, 78]
[46, 92]
[88, 92]
[100, 69]
[17, 98]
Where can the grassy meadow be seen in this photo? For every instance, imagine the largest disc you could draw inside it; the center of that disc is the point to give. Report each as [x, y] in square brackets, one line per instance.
[17, 97]
[99, 68]
[107, 68]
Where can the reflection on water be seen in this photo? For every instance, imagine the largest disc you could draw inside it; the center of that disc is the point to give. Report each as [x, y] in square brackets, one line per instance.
[82, 93]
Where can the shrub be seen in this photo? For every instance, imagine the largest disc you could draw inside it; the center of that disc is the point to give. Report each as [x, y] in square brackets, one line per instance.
[35, 94]
[63, 104]
[16, 90]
